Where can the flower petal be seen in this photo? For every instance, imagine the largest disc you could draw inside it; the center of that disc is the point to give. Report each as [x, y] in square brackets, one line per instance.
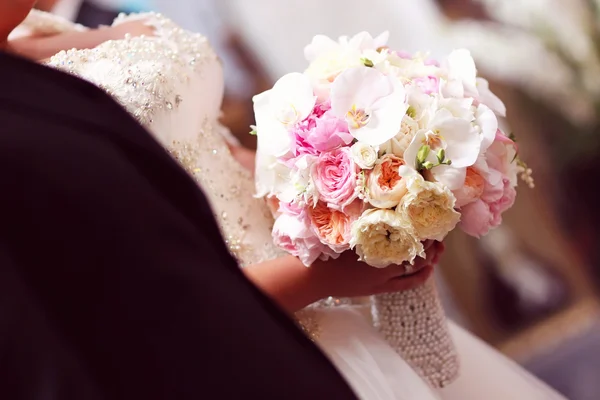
[320, 46]
[410, 154]
[273, 137]
[487, 121]
[360, 86]
[292, 98]
[453, 178]
[490, 99]
[462, 142]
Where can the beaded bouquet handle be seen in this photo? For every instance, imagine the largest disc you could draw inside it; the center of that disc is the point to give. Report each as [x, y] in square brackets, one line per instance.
[414, 324]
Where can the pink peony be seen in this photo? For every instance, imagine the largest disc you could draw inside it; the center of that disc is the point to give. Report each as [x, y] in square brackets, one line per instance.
[428, 84]
[335, 177]
[320, 132]
[486, 213]
[294, 234]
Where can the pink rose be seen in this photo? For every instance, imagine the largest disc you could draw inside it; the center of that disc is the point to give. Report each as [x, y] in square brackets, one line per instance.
[486, 213]
[320, 132]
[294, 234]
[428, 84]
[335, 177]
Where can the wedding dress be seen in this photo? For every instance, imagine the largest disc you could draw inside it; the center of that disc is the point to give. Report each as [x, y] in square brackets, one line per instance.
[173, 84]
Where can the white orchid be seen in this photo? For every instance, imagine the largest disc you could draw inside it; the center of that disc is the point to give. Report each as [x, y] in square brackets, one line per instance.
[271, 176]
[373, 104]
[486, 124]
[461, 75]
[324, 46]
[290, 101]
[485, 96]
[447, 147]
[328, 58]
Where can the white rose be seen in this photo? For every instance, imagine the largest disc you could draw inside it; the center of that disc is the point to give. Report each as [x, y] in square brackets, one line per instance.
[364, 155]
[384, 183]
[428, 207]
[402, 140]
[380, 239]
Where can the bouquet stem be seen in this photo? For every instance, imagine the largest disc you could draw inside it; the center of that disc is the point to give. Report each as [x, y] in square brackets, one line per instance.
[414, 324]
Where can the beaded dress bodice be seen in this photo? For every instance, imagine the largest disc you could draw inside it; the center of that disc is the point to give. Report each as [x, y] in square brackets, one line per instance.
[172, 83]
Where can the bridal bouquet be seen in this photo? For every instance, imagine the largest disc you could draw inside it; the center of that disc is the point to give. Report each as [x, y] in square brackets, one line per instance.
[377, 151]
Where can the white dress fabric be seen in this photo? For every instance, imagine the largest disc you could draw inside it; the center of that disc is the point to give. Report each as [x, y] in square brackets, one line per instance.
[173, 84]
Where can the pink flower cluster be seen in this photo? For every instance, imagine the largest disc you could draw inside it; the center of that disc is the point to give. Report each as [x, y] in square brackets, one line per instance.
[321, 231]
[488, 191]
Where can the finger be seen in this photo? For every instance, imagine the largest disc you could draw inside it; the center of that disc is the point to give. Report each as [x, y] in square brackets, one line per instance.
[408, 282]
[439, 250]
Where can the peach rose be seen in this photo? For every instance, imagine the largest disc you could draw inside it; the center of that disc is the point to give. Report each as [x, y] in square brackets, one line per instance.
[472, 189]
[384, 183]
[333, 227]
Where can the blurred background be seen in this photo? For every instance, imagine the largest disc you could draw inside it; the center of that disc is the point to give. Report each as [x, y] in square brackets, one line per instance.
[529, 288]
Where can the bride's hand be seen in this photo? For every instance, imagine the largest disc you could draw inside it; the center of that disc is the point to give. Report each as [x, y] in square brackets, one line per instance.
[347, 277]
[293, 286]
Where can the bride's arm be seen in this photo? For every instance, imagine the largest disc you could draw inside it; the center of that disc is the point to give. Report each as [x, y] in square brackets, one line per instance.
[43, 47]
[293, 286]
[286, 281]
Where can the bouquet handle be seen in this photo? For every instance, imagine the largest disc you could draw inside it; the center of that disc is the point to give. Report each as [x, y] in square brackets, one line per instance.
[414, 324]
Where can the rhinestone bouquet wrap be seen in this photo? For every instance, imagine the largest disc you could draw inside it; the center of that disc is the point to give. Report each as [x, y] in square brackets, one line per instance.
[414, 324]
[382, 152]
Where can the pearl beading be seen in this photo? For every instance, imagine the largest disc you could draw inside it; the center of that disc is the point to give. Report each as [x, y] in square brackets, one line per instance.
[414, 324]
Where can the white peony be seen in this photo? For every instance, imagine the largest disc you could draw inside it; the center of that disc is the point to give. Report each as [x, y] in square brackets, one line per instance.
[373, 104]
[289, 101]
[363, 155]
[428, 207]
[381, 239]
